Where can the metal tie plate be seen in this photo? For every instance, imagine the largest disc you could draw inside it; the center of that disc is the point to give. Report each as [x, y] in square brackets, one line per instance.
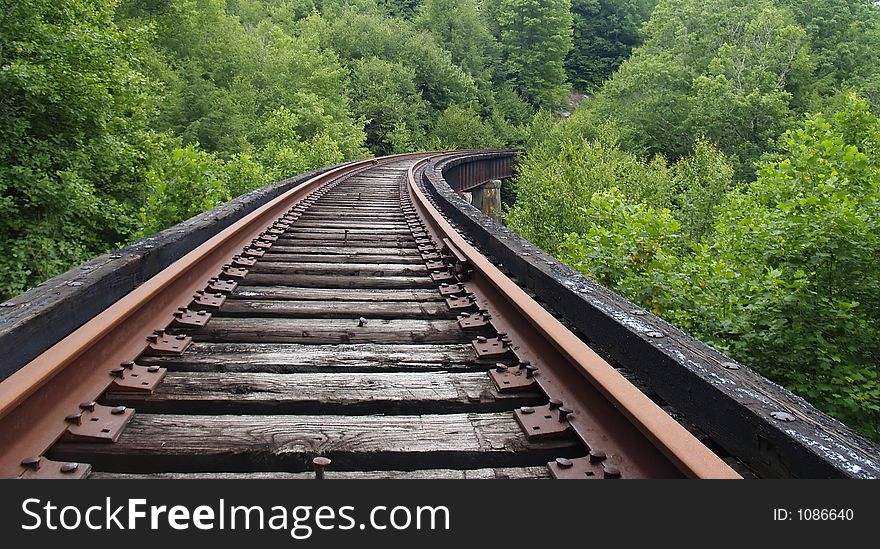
[212, 301]
[543, 421]
[220, 285]
[451, 289]
[461, 267]
[473, 321]
[191, 319]
[96, 423]
[577, 468]
[490, 348]
[510, 379]
[253, 252]
[439, 276]
[234, 272]
[239, 261]
[41, 468]
[164, 344]
[131, 378]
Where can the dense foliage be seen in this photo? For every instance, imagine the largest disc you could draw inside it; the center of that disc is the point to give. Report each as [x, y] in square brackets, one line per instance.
[604, 34]
[693, 184]
[691, 179]
[122, 117]
[535, 36]
[74, 138]
[780, 273]
[739, 73]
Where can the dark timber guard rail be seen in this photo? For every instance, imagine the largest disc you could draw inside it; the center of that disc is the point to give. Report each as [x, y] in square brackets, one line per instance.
[37, 319]
[463, 174]
[739, 409]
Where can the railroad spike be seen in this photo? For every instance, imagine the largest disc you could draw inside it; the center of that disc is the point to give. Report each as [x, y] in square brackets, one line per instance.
[320, 464]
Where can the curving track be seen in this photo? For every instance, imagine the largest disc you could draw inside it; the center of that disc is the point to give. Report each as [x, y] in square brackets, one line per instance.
[345, 319]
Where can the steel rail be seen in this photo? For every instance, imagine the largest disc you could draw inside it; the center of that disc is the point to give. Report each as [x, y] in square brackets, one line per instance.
[564, 360]
[35, 400]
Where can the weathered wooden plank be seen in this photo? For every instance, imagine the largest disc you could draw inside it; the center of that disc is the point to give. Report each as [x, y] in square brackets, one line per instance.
[324, 393]
[333, 473]
[320, 208]
[291, 357]
[365, 193]
[386, 206]
[323, 249]
[294, 237]
[388, 185]
[351, 231]
[387, 188]
[335, 309]
[393, 259]
[328, 281]
[350, 217]
[336, 207]
[350, 243]
[321, 331]
[340, 269]
[171, 442]
[324, 223]
[337, 294]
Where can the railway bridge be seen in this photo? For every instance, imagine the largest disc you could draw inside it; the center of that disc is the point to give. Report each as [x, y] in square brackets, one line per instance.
[367, 321]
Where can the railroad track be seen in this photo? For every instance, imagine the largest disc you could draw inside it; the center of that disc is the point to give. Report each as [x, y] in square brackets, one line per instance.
[343, 329]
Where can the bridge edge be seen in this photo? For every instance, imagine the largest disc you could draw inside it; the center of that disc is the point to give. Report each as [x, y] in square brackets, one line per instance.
[732, 406]
[35, 320]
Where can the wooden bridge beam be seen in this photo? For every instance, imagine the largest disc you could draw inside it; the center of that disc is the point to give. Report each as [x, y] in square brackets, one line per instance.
[487, 198]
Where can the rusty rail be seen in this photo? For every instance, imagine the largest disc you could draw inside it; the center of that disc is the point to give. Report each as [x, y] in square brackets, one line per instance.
[623, 432]
[774, 432]
[592, 404]
[39, 401]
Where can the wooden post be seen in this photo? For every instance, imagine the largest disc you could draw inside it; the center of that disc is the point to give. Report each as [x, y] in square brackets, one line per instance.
[487, 197]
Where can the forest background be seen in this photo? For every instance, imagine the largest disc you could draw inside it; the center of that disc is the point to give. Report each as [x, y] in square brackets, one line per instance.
[720, 170]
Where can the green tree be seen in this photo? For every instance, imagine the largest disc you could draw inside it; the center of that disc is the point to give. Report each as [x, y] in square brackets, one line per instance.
[736, 73]
[387, 98]
[844, 40]
[400, 8]
[604, 34]
[558, 178]
[222, 77]
[285, 153]
[535, 37]
[74, 142]
[626, 245]
[701, 181]
[184, 183]
[356, 36]
[789, 282]
[780, 273]
[462, 128]
[458, 27]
